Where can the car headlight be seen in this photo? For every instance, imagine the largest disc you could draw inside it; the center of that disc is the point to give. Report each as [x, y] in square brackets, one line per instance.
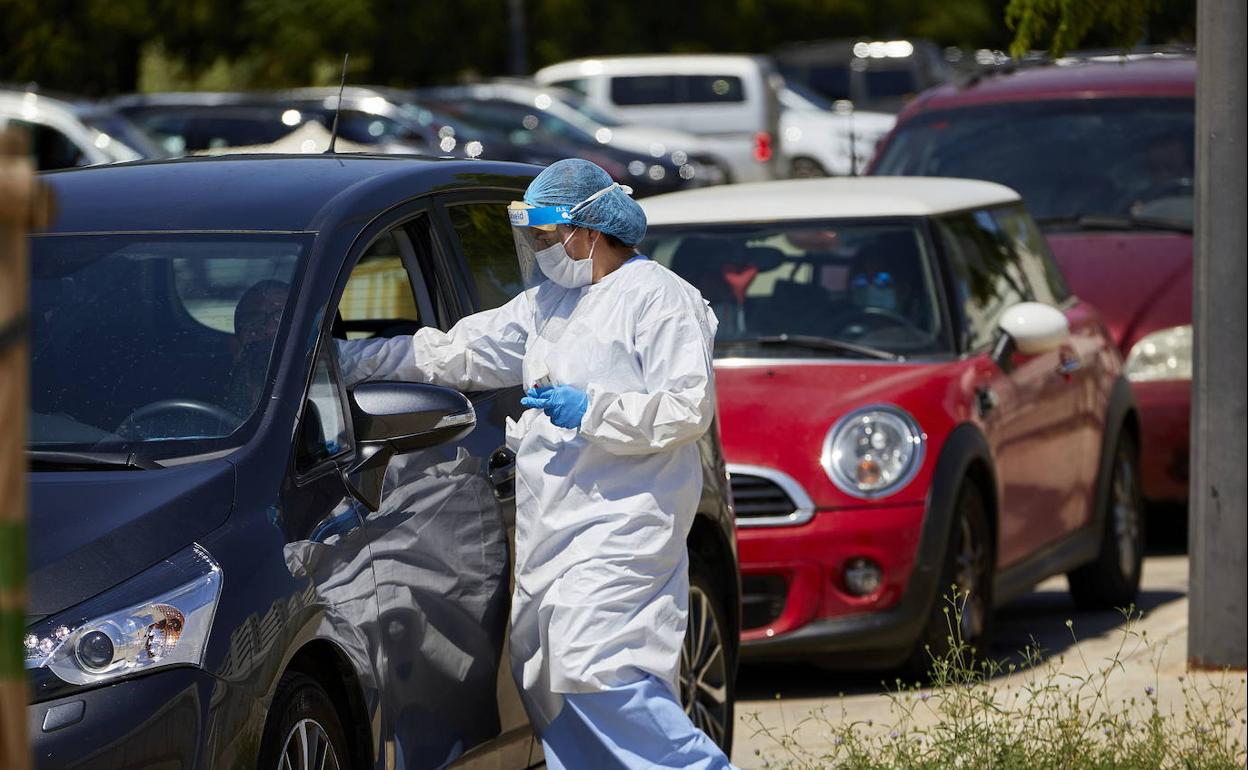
[120, 632]
[873, 451]
[1165, 354]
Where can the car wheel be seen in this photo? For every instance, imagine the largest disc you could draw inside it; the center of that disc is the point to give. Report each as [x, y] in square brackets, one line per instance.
[1113, 579]
[302, 731]
[966, 573]
[806, 168]
[707, 689]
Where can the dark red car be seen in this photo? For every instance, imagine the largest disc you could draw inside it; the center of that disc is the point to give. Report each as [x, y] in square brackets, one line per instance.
[910, 398]
[1102, 152]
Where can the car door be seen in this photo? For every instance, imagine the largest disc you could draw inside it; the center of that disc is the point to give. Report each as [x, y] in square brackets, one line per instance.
[1026, 404]
[1079, 360]
[481, 261]
[440, 551]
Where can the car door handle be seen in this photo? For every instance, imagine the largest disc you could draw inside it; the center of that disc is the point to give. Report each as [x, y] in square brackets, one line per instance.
[502, 469]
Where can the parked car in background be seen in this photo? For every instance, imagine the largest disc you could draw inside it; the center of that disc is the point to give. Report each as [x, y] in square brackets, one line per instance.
[823, 138]
[235, 559]
[523, 125]
[686, 151]
[58, 136]
[873, 75]
[730, 101]
[197, 122]
[911, 399]
[1102, 151]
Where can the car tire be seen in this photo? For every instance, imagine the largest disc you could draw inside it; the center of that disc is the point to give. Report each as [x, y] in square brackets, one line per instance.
[1112, 580]
[968, 564]
[806, 168]
[303, 731]
[707, 668]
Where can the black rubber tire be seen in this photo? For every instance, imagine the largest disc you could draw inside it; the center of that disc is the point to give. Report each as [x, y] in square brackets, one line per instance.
[300, 697]
[806, 168]
[1104, 584]
[970, 516]
[703, 579]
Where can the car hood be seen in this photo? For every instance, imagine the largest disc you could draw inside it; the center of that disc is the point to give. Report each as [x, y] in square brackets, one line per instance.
[1139, 282]
[761, 400]
[90, 531]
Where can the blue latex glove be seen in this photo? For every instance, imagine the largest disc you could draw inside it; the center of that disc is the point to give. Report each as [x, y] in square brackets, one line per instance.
[564, 404]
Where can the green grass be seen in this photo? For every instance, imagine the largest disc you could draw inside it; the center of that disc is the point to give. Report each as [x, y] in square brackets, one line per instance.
[981, 714]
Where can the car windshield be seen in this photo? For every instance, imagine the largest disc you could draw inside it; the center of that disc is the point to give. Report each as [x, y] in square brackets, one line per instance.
[1121, 158]
[153, 344]
[836, 288]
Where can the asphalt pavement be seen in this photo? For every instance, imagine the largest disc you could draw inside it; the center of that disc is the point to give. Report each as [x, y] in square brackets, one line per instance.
[783, 695]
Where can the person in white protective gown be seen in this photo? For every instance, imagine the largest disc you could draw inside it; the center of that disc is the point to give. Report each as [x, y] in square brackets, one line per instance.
[616, 353]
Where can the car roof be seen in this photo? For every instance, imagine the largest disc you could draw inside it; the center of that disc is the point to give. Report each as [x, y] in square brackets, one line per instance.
[843, 198]
[1162, 75]
[277, 193]
[651, 64]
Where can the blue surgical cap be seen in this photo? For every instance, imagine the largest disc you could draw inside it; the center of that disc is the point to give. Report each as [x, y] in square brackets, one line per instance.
[573, 181]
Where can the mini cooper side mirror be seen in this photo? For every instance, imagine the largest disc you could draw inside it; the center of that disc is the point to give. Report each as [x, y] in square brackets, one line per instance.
[391, 418]
[1031, 328]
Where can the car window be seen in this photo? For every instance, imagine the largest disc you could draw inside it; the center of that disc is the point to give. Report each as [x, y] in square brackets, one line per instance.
[159, 344]
[864, 282]
[644, 89]
[49, 148]
[378, 299]
[1067, 158]
[1043, 275]
[323, 430]
[489, 252]
[988, 274]
[676, 89]
[580, 85]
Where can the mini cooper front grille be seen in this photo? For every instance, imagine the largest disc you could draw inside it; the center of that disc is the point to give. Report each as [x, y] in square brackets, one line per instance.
[755, 497]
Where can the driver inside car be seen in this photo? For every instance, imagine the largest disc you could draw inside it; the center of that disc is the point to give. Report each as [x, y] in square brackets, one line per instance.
[256, 318]
[886, 305]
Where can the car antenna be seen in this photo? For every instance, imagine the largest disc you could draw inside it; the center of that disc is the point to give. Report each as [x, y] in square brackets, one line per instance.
[333, 133]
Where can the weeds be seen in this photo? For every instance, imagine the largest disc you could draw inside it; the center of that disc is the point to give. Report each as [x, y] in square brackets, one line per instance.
[982, 714]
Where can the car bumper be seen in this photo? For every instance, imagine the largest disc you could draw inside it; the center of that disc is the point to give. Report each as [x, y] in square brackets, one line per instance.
[794, 592]
[1165, 416]
[160, 719]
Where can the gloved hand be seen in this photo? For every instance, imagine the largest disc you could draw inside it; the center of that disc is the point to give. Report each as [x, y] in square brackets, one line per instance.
[564, 404]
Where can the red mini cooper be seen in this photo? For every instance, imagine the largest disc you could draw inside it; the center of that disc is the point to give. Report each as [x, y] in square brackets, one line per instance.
[911, 399]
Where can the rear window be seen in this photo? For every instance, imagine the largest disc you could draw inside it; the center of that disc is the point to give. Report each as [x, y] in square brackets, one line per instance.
[676, 89]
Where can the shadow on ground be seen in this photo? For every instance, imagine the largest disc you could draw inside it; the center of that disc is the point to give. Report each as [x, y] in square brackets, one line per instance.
[1039, 619]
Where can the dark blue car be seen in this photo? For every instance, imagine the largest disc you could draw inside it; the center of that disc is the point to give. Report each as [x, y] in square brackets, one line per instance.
[236, 561]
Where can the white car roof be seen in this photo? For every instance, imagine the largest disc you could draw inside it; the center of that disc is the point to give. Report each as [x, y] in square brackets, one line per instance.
[841, 198]
[652, 64]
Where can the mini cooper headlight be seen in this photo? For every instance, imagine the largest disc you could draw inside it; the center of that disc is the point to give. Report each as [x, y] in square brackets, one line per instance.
[1165, 354]
[874, 451]
[120, 632]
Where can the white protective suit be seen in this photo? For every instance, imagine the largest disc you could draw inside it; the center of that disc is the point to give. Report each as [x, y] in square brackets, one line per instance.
[602, 513]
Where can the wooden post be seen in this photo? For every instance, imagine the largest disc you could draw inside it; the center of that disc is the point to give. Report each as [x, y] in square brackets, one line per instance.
[24, 204]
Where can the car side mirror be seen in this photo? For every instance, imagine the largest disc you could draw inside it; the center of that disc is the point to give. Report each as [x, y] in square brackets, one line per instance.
[1031, 328]
[391, 418]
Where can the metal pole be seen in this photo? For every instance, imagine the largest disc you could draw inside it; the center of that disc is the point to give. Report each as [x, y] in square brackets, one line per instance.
[1218, 536]
[24, 204]
[519, 59]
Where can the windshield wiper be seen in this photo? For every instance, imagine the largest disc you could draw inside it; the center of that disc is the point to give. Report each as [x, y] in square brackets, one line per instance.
[815, 343]
[44, 459]
[1114, 222]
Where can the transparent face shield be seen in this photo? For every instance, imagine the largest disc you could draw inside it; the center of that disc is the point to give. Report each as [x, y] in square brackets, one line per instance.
[535, 229]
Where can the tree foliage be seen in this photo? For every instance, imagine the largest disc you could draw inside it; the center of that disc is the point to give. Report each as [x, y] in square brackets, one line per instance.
[97, 47]
[1060, 25]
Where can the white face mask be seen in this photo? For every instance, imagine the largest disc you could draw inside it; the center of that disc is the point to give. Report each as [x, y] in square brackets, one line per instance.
[562, 269]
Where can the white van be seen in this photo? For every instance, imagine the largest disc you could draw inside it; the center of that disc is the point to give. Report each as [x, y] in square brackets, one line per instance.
[730, 100]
